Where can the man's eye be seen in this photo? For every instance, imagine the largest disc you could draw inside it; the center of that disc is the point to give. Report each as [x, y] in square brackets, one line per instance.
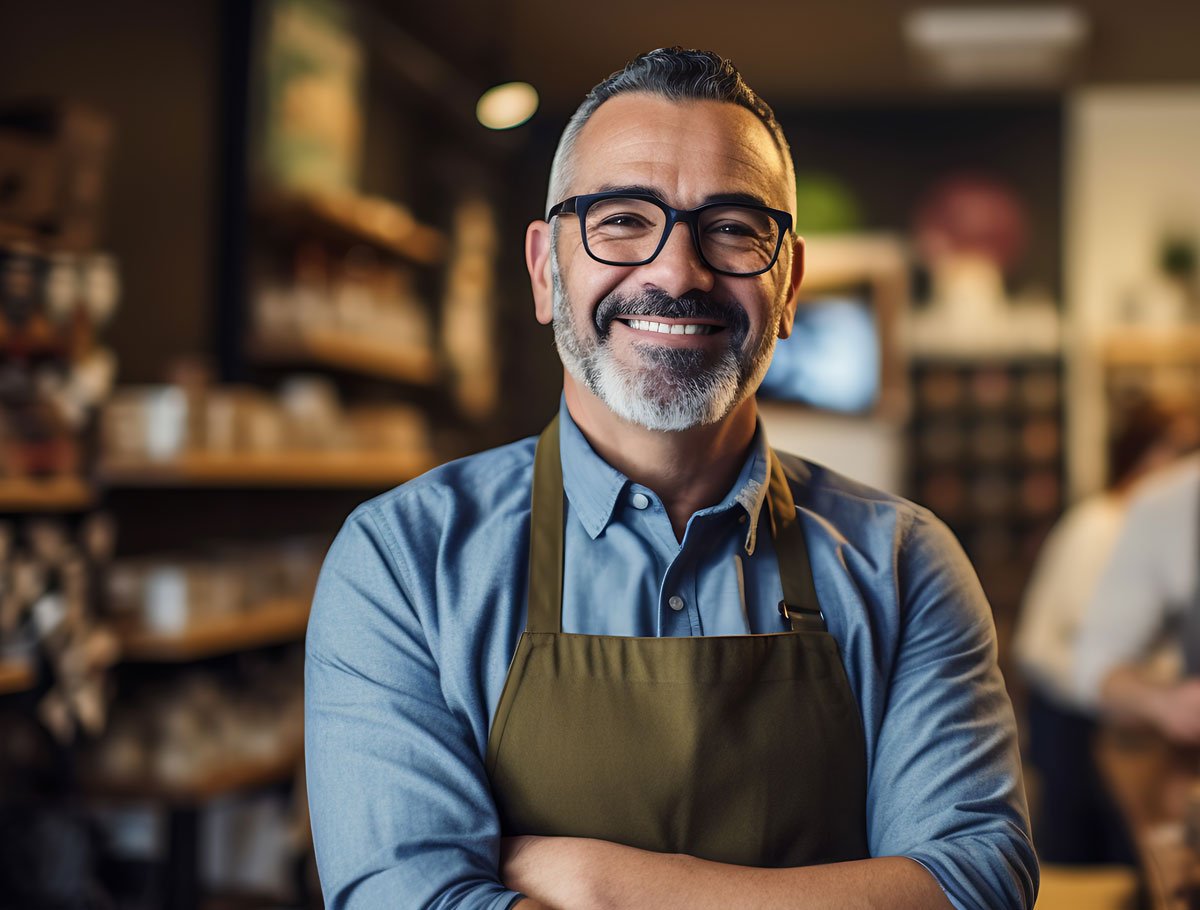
[733, 228]
[626, 221]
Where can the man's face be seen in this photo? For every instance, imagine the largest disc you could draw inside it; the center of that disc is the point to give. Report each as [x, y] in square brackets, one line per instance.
[607, 319]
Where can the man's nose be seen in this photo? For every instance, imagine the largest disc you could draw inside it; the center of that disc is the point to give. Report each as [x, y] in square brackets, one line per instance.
[677, 269]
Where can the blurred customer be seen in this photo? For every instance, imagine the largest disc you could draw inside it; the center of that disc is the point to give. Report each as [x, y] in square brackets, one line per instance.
[1146, 604]
[1078, 822]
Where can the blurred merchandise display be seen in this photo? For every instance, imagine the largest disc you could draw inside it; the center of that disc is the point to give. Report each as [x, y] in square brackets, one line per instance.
[51, 593]
[230, 599]
[313, 117]
[56, 294]
[53, 373]
[201, 424]
[357, 296]
[970, 231]
[469, 308]
[987, 457]
[197, 732]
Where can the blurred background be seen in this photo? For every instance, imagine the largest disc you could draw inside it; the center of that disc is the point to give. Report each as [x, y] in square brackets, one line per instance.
[260, 261]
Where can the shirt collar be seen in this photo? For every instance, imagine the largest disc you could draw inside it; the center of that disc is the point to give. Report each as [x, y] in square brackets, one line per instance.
[592, 485]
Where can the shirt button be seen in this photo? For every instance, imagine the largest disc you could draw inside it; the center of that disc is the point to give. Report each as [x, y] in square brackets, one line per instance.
[675, 603]
[639, 500]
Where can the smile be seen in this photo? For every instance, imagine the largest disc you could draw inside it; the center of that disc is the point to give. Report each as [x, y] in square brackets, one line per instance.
[672, 328]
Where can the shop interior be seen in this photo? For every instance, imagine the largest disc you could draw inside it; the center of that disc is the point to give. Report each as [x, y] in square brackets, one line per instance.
[261, 261]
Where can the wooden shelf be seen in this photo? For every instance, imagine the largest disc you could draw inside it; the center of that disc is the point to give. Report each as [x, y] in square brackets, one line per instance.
[837, 262]
[52, 494]
[349, 218]
[296, 469]
[272, 622]
[1146, 347]
[346, 351]
[16, 676]
[240, 774]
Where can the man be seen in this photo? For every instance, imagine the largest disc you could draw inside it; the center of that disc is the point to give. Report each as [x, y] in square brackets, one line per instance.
[647, 662]
[1138, 656]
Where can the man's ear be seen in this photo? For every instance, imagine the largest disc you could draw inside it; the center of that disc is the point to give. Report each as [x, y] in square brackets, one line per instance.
[538, 238]
[788, 317]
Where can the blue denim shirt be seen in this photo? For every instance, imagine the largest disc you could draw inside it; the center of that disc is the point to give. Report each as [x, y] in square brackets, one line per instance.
[422, 599]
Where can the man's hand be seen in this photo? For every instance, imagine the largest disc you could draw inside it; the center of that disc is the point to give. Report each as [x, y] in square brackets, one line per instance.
[570, 873]
[1174, 709]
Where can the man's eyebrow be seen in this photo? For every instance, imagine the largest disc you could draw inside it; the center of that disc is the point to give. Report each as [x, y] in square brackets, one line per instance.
[642, 190]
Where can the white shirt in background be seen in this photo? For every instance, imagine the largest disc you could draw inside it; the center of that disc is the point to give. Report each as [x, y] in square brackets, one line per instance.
[1149, 583]
[1070, 562]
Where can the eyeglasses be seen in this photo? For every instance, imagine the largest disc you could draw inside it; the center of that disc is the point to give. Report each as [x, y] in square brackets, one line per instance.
[731, 238]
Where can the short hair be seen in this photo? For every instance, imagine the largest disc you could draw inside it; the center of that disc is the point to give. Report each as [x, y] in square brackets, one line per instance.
[1143, 424]
[677, 74]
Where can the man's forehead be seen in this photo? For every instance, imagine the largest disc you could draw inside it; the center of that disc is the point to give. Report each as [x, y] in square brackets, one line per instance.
[640, 137]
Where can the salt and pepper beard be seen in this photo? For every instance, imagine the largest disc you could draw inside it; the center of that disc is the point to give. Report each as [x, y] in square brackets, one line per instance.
[679, 388]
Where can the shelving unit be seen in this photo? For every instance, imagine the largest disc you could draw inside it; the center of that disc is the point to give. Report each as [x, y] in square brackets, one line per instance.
[276, 470]
[349, 218]
[53, 494]
[988, 458]
[1151, 347]
[240, 774]
[346, 351]
[273, 622]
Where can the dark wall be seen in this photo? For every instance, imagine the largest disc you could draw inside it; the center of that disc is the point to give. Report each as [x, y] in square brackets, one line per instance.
[153, 67]
[891, 155]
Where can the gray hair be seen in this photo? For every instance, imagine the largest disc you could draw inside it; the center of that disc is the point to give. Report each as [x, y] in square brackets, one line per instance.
[677, 74]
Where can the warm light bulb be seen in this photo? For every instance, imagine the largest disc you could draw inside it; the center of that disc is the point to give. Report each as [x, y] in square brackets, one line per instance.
[505, 106]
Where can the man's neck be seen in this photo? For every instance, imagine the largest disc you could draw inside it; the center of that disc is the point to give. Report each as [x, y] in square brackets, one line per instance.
[689, 469]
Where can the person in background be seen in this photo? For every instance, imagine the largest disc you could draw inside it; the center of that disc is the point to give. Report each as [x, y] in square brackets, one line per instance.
[646, 660]
[1076, 821]
[1147, 604]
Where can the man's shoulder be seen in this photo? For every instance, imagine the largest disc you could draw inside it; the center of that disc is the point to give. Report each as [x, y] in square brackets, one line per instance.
[485, 483]
[822, 489]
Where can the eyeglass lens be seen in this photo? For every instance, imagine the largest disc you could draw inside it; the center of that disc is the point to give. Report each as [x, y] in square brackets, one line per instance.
[733, 238]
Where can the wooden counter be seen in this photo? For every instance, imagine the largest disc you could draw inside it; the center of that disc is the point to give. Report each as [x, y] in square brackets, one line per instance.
[1151, 781]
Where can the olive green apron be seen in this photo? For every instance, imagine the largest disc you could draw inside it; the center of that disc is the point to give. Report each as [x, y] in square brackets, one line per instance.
[739, 749]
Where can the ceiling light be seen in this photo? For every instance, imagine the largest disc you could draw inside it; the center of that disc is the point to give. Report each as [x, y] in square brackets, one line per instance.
[997, 46]
[504, 106]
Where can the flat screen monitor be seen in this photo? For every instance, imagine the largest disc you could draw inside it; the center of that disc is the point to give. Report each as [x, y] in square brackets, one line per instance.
[831, 361]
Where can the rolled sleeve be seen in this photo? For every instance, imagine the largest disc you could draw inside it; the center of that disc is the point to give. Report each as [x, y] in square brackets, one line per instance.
[401, 810]
[945, 787]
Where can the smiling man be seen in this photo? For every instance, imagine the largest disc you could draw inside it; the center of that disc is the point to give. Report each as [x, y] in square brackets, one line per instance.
[645, 660]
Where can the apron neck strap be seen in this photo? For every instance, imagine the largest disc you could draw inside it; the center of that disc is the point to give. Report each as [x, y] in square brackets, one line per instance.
[799, 605]
[546, 535]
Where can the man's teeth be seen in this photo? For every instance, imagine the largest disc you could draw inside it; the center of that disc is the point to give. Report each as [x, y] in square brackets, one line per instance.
[678, 328]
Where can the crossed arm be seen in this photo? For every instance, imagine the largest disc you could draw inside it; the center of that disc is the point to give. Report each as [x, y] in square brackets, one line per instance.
[402, 809]
[582, 874]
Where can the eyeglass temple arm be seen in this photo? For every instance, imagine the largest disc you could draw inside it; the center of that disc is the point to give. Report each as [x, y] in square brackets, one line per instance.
[562, 208]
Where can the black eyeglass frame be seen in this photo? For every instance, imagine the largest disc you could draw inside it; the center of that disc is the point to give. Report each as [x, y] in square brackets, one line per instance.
[579, 205]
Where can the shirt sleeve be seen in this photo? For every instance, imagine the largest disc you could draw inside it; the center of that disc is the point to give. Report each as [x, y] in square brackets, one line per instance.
[402, 814]
[945, 787]
[1063, 579]
[1128, 608]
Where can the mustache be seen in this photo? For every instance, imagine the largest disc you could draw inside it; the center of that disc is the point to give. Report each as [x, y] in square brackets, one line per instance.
[655, 302]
